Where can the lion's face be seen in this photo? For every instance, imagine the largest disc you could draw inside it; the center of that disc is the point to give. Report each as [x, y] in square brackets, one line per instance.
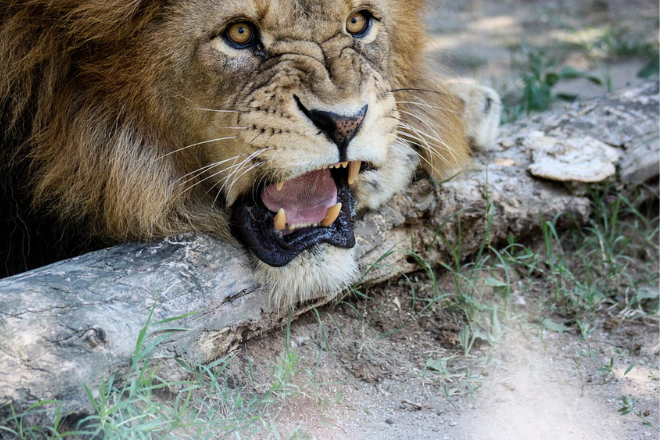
[292, 110]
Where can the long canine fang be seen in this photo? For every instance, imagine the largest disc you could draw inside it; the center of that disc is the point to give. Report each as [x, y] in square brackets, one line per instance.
[331, 215]
[353, 170]
[280, 220]
[279, 186]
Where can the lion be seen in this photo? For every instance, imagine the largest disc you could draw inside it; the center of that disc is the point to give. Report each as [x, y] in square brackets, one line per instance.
[268, 122]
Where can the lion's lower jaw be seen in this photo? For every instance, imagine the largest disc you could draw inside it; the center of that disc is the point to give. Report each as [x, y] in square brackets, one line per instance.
[323, 271]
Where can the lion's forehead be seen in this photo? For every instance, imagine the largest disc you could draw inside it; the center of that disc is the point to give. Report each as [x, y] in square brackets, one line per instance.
[285, 9]
[308, 20]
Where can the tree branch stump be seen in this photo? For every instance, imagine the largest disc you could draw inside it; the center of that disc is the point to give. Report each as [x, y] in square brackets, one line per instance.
[77, 321]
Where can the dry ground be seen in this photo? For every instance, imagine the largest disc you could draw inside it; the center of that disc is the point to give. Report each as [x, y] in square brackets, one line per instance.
[534, 384]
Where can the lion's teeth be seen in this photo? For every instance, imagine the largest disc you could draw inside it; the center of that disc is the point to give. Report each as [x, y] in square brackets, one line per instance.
[279, 186]
[301, 226]
[280, 220]
[331, 215]
[343, 164]
[353, 170]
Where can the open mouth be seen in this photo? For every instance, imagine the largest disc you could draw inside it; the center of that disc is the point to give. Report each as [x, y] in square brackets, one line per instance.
[280, 220]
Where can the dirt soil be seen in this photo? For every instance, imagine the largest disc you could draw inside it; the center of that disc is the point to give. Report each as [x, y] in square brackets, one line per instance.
[363, 376]
[362, 363]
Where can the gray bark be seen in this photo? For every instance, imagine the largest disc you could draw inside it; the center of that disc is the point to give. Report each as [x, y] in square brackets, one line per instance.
[76, 322]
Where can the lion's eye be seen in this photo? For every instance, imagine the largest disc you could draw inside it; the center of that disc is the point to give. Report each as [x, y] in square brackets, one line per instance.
[358, 23]
[240, 35]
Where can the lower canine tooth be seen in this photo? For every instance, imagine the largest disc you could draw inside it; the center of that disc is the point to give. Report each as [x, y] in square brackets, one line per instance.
[280, 220]
[331, 215]
[353, 170]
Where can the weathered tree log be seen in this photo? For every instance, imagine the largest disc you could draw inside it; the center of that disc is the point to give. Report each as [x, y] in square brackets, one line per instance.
[77, 321]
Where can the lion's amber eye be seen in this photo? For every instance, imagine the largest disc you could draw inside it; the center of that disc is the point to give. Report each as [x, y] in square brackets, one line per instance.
[358, 23]
[240, 35]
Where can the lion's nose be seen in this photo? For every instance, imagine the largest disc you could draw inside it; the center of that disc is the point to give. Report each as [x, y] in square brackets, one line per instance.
[340, 129]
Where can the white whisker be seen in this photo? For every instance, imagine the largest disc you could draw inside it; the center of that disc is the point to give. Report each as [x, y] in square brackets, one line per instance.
[437, 139]
[235, 166]
[215, 110]
[198, 143]
[206, 167]
[420, 104]
[421, 156]
[422, 142]
[234, 180]
[422, 137]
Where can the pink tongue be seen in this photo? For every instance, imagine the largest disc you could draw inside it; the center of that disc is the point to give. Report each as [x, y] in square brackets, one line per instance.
[305, 199]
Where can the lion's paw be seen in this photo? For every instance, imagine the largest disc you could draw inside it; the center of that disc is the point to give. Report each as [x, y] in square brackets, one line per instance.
[481, 111]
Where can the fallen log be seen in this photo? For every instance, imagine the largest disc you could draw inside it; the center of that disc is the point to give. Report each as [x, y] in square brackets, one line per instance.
[77, 321]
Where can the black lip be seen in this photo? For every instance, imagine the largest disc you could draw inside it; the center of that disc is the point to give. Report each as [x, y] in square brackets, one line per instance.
[253, 223]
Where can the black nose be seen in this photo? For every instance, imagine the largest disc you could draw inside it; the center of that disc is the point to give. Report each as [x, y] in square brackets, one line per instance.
[340, 129]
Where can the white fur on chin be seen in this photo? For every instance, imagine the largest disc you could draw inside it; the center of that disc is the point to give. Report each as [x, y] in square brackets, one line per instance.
[322, 271]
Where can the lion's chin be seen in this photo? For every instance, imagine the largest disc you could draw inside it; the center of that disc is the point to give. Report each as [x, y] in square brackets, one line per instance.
[323, 271]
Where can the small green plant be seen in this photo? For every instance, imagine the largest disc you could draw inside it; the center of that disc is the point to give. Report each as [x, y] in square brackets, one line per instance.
[615, 43]
[15, 426]
[456, 379]
[612, 262]
[286, 369]
[538, 74]
[628, 406]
